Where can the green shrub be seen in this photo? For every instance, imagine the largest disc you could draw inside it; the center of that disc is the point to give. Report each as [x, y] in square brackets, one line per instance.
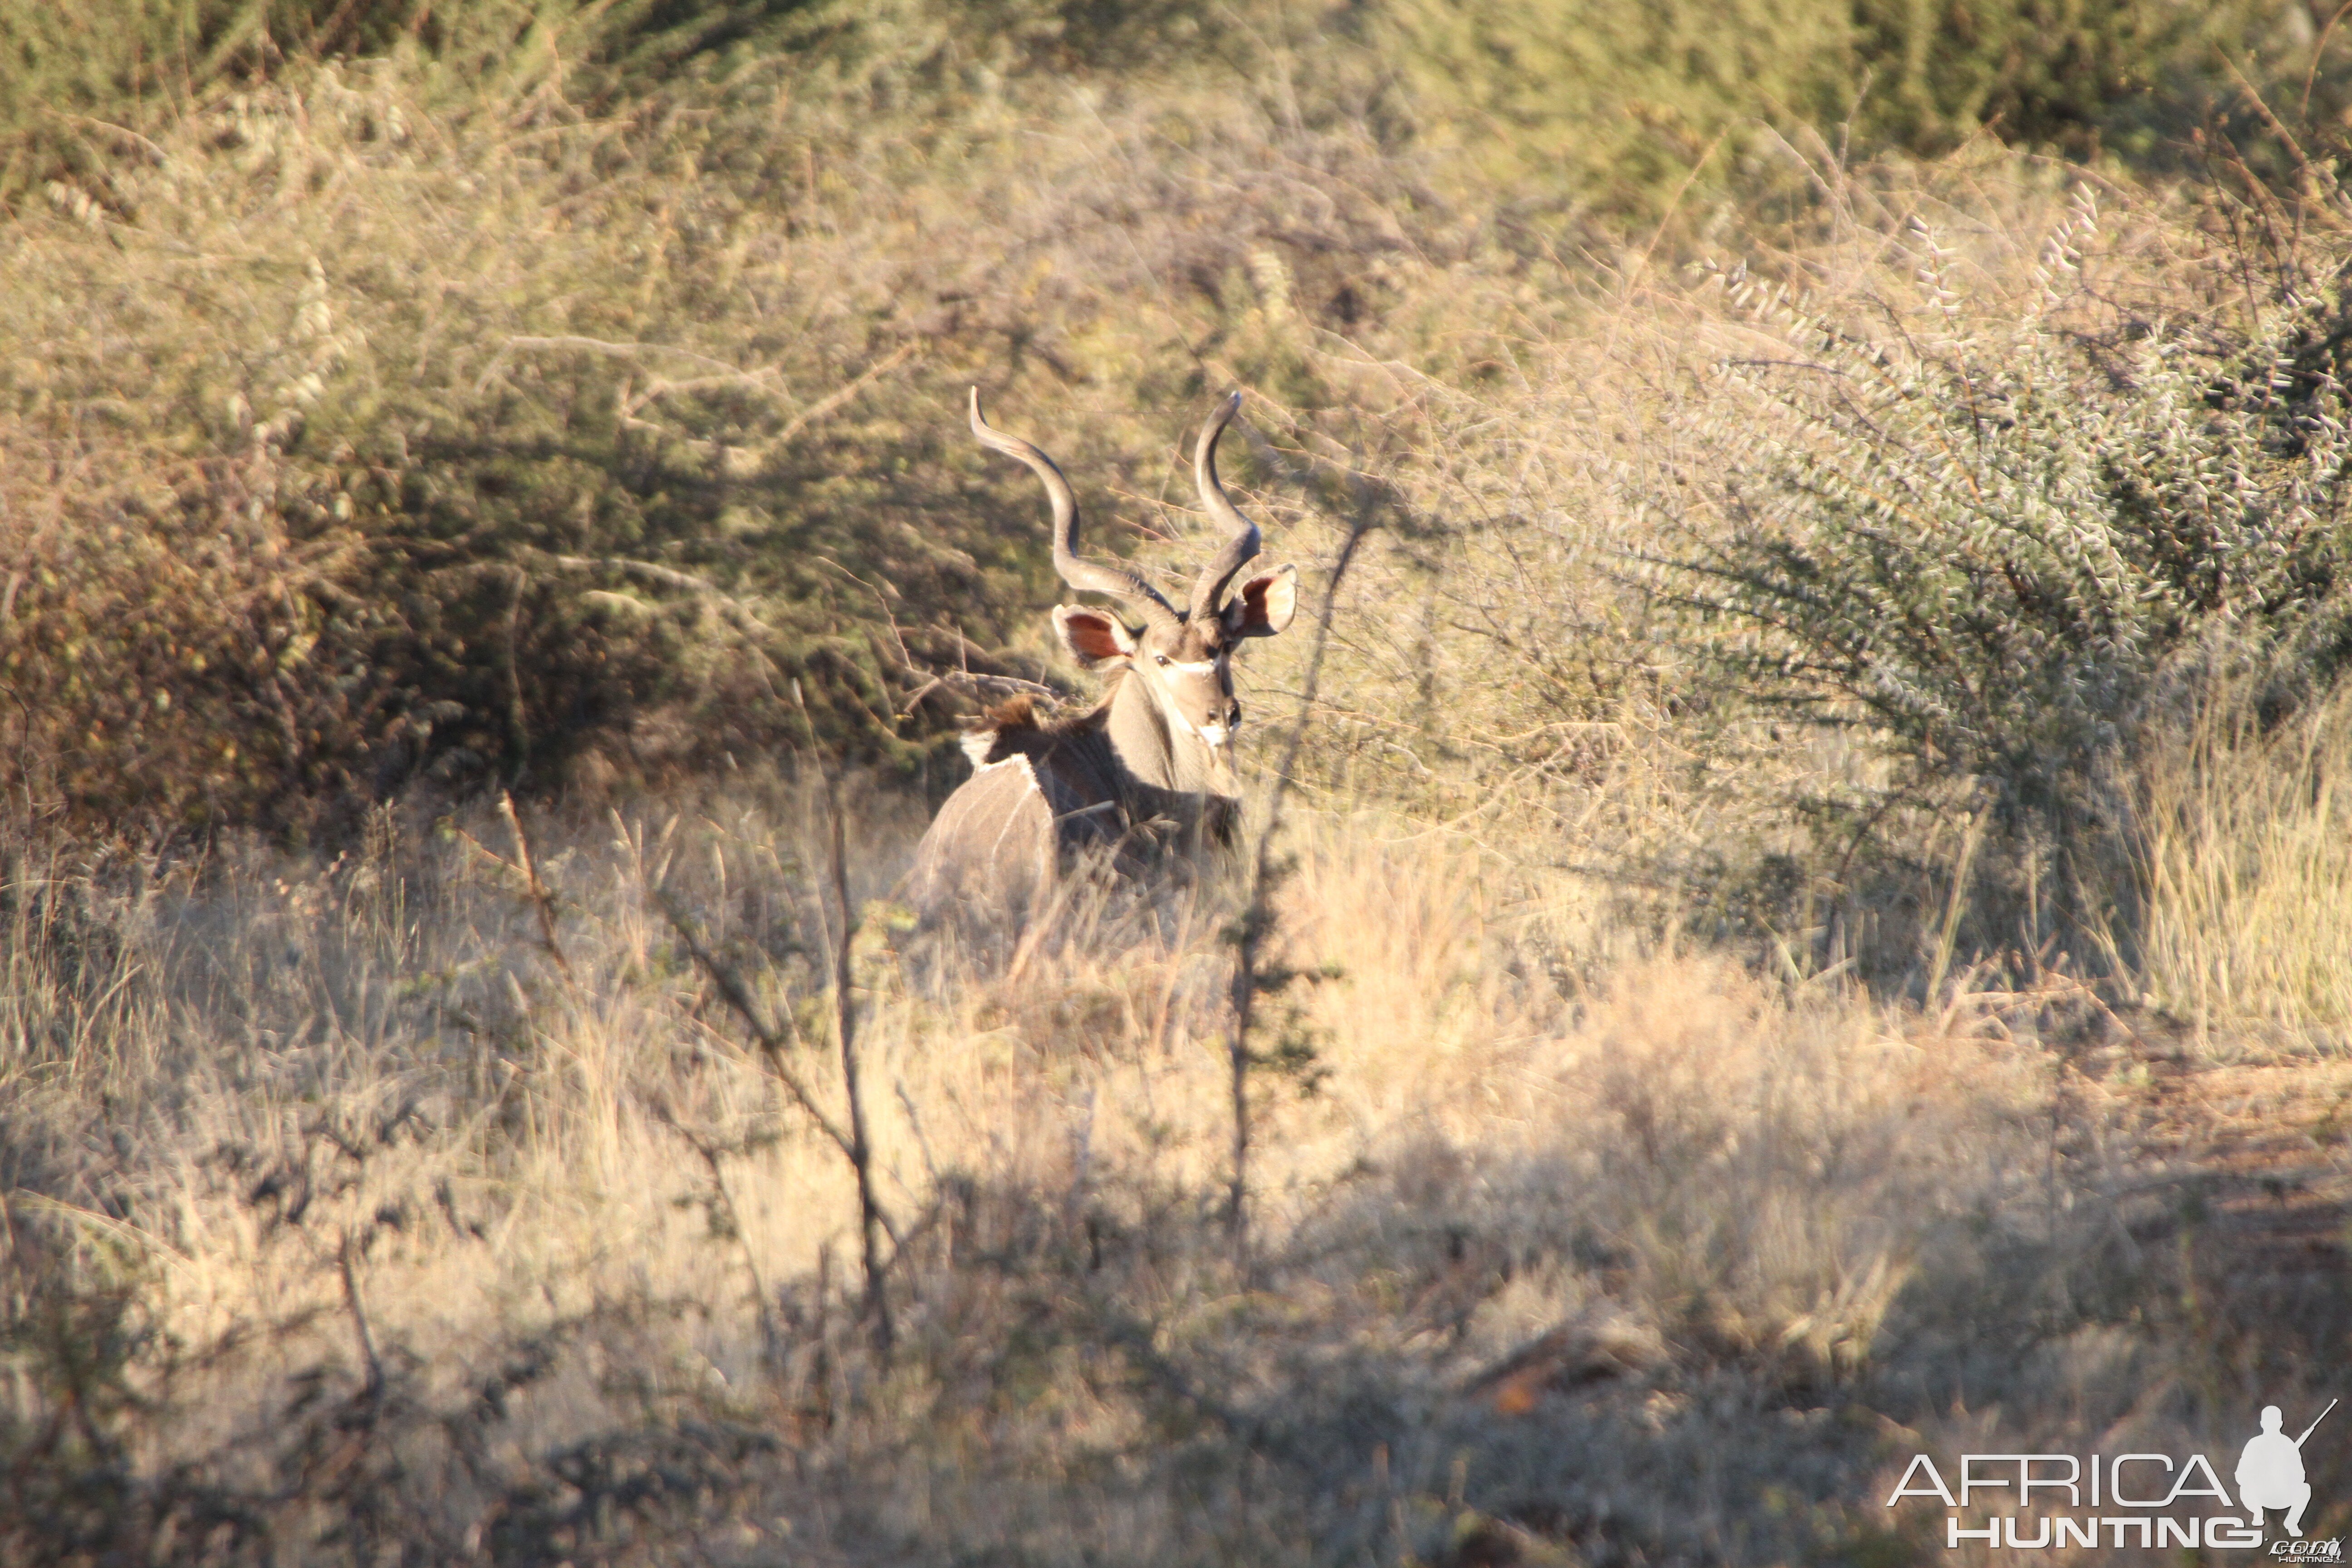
[1986, 541]
[1615, 108]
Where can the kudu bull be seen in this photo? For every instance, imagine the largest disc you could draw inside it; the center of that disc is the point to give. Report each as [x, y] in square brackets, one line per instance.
[1147, 774]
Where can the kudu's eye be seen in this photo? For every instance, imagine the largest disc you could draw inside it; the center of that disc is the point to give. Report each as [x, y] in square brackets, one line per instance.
[1162, 658]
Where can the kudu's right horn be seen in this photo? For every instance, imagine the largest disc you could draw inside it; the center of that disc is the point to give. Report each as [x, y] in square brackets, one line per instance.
[1209, 587]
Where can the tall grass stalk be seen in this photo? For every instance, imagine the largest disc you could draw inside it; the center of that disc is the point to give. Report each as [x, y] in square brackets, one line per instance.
[1956, 903]
[2245, 857]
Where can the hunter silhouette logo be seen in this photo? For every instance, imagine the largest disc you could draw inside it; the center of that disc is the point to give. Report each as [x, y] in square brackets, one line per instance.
[2148, 1500]
[2270, 1472]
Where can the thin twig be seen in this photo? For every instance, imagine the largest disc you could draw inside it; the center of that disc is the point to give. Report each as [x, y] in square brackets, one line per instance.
[539, 897]
[844, 1004]
[1257, 921]
[373, 1387]
[831, 401]
[738, 997]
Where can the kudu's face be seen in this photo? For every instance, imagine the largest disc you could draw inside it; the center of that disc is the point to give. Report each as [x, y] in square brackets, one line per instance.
[1187, 665]
[1183, 658]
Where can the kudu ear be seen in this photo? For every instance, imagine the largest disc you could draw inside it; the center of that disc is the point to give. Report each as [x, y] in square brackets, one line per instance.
[1263, 605]
[1093, 637]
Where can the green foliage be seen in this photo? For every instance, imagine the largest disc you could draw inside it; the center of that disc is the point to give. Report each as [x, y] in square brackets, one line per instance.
[915, 55]
[79, 82]
[1985, 539]
[82, 85]
[1612, 105]
[2074, 76]
[1616, 107]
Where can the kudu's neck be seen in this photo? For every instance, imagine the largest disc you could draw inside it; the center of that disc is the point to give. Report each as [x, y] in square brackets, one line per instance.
[1157, 748]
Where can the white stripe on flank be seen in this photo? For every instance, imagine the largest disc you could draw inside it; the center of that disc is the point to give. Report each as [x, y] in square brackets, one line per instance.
[1014, 815]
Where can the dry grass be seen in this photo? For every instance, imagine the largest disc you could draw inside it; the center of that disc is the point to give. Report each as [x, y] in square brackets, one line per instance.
[344, 1215]
[2247, 851]
[1642, 1169]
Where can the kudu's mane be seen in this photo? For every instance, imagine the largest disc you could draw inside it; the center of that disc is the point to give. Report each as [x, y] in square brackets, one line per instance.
[1014, 728]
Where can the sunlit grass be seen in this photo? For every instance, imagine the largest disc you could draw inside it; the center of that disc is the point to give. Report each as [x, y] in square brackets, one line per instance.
[353, 1129]
[2246, 851]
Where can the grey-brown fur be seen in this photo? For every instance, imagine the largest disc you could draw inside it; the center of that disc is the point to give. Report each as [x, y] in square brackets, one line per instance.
[1043, 798]
[1145, 775]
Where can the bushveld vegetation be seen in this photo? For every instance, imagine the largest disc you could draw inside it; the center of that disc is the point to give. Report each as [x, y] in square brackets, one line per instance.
[1794, 917]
